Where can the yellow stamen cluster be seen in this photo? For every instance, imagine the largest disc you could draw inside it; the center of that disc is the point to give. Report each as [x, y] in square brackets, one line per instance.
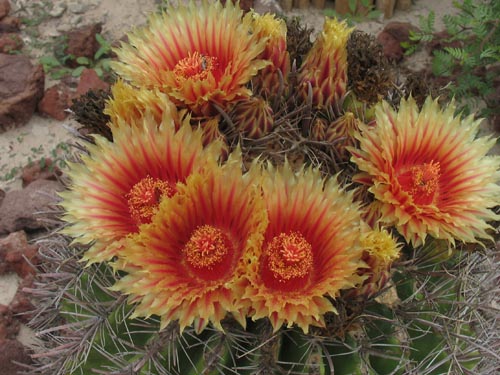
[425, 178]
[289, 256]
[196, 66]
[206, 247]
[144, 197]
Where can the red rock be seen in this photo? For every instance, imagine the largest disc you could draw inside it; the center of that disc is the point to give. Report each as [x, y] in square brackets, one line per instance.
[16, 254]
[10, 24]
[10, 42]
[391, 37]
[9, 326]
[21, 306]
[4, 8]
[40, 170]
[55, 101]
[82, 43]
[89, 80]
[19, 207]
[21, 87]
[12, 351]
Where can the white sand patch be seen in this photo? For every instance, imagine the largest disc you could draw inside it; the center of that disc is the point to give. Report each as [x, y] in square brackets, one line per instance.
[8, 287]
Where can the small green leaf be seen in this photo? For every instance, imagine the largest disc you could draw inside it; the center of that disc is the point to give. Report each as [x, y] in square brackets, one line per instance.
[99, 72]
[352, 6]
[49, 61]
[100, 52]
[78, 71]
[82, 60]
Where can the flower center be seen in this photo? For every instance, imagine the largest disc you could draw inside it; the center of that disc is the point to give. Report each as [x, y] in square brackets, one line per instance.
[196, 66]
[422, 182]
[207, 247]
[289, 256]
[144, 197]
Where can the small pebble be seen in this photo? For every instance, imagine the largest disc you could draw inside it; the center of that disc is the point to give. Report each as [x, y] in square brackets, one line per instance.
[58, 10]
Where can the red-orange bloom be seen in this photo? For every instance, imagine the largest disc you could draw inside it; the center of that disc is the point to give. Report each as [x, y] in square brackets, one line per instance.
[428, 172]
[310, 249]
[199, 54]
[186, 262]
[118, 186]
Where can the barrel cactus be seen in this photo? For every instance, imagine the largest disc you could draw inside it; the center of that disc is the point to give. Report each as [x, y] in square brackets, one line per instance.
[312, 231]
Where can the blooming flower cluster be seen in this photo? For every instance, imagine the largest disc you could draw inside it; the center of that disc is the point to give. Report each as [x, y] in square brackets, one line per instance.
[199, 239]
[199, 234]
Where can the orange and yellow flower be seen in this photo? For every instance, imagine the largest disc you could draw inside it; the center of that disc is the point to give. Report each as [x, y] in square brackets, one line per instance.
[325, 66]
[380, 252]
[128, 105]
[429, 172]
[274, 77]
[199, 54]
[186, 262]
[310, 250]
[117, 187]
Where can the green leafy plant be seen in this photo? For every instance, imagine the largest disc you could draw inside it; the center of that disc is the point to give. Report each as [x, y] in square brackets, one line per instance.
[470, 55]
[55, 64]
[354, 16]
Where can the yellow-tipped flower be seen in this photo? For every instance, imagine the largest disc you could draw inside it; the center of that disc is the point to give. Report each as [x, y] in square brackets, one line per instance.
[380, 251]
[275, 76]
[310, 249]
[118, 186]
[198, 54]
[129, 104]
[187, 260]
[325, 66]
[253, 117]
[428, 172]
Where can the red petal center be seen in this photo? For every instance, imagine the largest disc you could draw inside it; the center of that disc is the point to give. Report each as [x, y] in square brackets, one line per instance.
[422, 182]
[196, 66]
[207, 250]
[289, 258]
[144, 197]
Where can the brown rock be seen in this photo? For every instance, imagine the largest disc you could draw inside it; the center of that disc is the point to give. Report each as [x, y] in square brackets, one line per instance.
[21, 87]
[386, 7]
[403, 4]
[4, 8]
[391, 37]
[40, 170]
[12, 351]
[89, 80]
[17, 255]
[9, 326]
[19, 207]
[21, 306]
[2, 196]
[55, 101]
[10, 42]
[82, 42]
[10, 24]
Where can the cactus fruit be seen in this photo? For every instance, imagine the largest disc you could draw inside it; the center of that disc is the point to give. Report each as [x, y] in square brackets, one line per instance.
[221, 230]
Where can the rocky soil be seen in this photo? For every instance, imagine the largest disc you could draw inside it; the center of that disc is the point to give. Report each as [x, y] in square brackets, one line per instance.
[36, 125]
